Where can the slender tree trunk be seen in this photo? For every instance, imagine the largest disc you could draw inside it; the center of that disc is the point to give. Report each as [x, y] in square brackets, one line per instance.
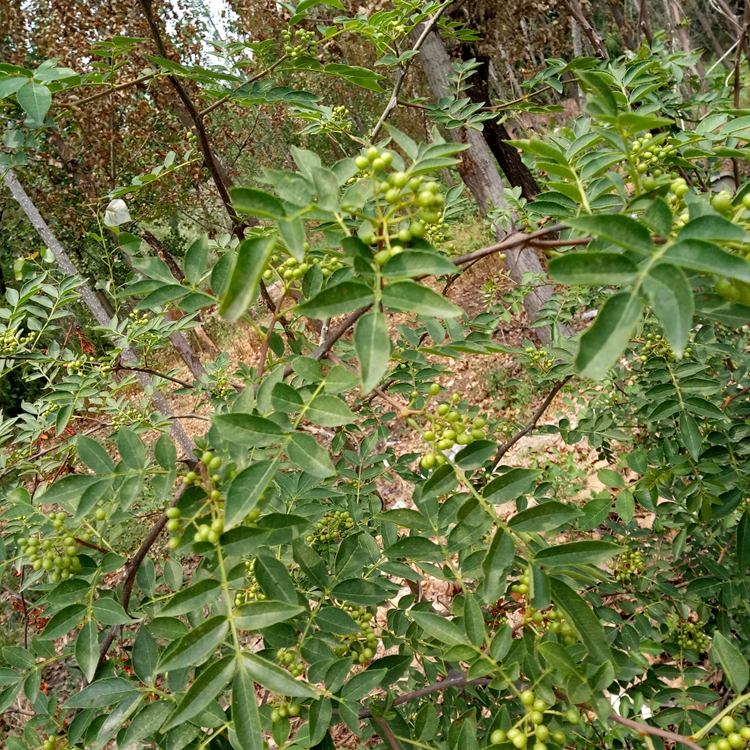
[480, 173]
[91, 301]
[517, 173]
[707, 25]
[615, 8]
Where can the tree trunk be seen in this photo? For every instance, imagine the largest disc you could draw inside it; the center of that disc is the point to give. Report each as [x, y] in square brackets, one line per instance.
[479, 171]
[615, 8]
[707, 26]
[93, 304]
[517, 173]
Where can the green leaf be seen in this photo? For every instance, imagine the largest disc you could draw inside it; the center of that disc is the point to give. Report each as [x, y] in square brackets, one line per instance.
[10, 85]
[579, 553]
[671, 298]
[64, 491]
[617, 228]
[406, 517]
[311, 564]
[102, 693]
[473, 620]
[286, 399]
[145, 656]
[257, 203]
[417, 263]
[197, 646]
[361, 685]
[362, 592]
[205, 688]
[714, 228]
[608, 337]
[583, 620]
[413, 297]
[606, 269]
[732, 662]
[499, 556]
[329, 411]
[599, 85]
[415, 548]
[62, 622]
[251, 260]
[145, 723]
[245, 716]
[248, 431]
[273, 577]
[94, 455]
[337, 300]
[201, 594]
[610, 478]
[115, 720]
[87, 649]
[543, 517]
[263, 614]
[691, 435]
[510, 485]
[743, 543]
[557, 656]
[625, 505]
[340, 378]
[659, 217]
[699, 255]
[439, 627]
[363, 77]
[274, 678]
[131, 448]
[292, 231]
[441, 482]
[373, 347]
[35, 99]
[306, 453]
[336, 620]
[245, 491]
[196, 259]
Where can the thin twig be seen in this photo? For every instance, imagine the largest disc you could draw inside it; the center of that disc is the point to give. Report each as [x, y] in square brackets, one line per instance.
[505, 447]
[646, 729]
[728, 400]
[386, 733]
[84, 543]
[110, 90]
[401, 72]
[267, 340]
[158, 374]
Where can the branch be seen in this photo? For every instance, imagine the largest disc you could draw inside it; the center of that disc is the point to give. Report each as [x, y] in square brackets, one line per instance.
[643, 729]
[110, 90]
[386, 733]
[505, 447]
[158, 374]
[401, 73]
[575, 11]
[728, 400]
[509, 242]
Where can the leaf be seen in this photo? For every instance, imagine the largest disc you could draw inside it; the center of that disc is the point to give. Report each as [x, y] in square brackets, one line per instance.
[201, 594]
[250, 262]
[439, 627]
[671, 298]
[311, 564]
[274, 678]
[543, 517]
[306, 454]
[245, 716]
[510, 485]
[732, 662]
[205, 688]
[406, 517]
[145, 656]
[62, 622]
[329, 411]
[292, 231]
[10, 85]
[413, 297]
[699, 255]
[625, 506]
[337, 300]
[714, 228]
[606, 269]
[557, 656]
[362, 592]
[131, 448]
[417, 263]
[245, 491]
[499, 556]
[474, 620]
[196, 259]
[195, 647]
[373, 347]
[247, 430]
[64, 491]
[659, 217]
[145, 723]
[336, 620]
[257, 203]
[115, 720]
[361, 685]
[578, 553]
[273, 577]
[600, 86]
[617, 228]
[102, 693]
[606, 340]
[610, 478]
[415, 548]
[363, 77]
[583, 619]
[35, 99]
[263, 614]
[94, 455]
[743, 543]
[691, 435]
[87, 649]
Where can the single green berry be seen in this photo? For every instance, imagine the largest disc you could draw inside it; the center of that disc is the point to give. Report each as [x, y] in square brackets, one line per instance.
[498, 737]
[727, 724]
[527, 697]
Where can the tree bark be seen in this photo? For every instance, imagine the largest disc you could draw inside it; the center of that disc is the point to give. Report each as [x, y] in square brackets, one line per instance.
[495, 133]
[480, 173]
[91, 301]
[615, 8]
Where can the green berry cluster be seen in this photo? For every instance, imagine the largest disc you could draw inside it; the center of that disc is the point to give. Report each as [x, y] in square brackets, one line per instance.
[448, 427]
[648, 157]
[629, 564]
[127, 416]
[333, 528]
[251, 592]
[657, 346]
[539, 358]
[78, 365]
[688, 634]
[55, 743]
[284, 709]
[9, 341]
[338, 121]
[363, 645]
[735, 738]
[532, 724]
[290, 659]
[56, 553]
[307, 43]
